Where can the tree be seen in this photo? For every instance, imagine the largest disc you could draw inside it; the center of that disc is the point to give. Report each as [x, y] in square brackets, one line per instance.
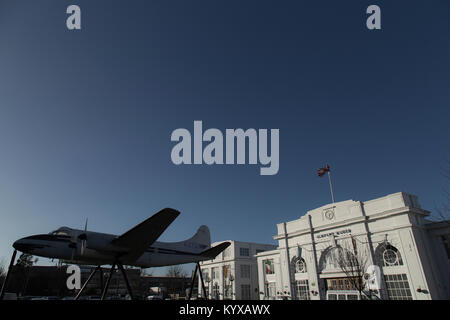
[3, 271]
[353, 260]
[176, 272]
[22, 270]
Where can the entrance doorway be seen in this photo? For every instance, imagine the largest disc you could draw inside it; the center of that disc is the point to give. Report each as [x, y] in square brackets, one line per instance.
[341, 289]
[343, 295]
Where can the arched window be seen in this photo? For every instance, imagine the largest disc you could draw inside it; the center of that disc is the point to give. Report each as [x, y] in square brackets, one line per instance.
[334, 258]
[388, 256]
[299, 265]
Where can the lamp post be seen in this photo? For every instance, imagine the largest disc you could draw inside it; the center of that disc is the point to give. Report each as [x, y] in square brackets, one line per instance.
[208, 280]
[216, 290]
[231, 285]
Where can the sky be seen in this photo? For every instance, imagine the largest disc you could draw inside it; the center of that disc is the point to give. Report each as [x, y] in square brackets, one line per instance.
[86, 115]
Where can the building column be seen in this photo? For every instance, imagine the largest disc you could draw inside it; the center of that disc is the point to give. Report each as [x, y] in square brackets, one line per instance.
[313, 268]
[288, 266]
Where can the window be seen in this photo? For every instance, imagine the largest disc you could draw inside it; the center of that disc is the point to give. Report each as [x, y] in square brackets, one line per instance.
[343, 295]
[268, 266]
[398, 287]
[302, 290]
[215, 291]
[245, 271]
[227, 291]
[446, 242]
[299, 265]
[347, 284]
[388, 256]
[215, 273]
[270, 290]
[245, 292]
[205, 273]
[206, 279]
[332, 257]
[342, 284]
[244, 252]
[63, 231]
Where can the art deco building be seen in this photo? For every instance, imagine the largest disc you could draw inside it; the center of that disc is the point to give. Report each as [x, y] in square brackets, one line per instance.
[233, 274]
[384, 248]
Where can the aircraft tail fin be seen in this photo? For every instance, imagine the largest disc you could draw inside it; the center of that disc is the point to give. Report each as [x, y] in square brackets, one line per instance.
[201, 238]
[211, 253]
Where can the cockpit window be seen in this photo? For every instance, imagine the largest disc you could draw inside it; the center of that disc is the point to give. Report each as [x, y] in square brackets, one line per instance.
[60, 233]
[64, 231]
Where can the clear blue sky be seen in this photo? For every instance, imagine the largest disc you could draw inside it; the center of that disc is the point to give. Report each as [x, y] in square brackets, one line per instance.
[86, 116]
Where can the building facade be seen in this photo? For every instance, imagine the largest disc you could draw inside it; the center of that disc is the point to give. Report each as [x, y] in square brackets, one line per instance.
[233, 274]
[52, 281]
[383, 248]
[173, 287]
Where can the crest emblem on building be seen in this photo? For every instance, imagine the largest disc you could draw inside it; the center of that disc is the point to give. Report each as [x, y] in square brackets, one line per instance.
[329, 213]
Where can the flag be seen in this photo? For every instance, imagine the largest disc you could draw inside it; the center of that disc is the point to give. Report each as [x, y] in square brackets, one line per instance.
[268, 265]
[225, 272]
[322, 171]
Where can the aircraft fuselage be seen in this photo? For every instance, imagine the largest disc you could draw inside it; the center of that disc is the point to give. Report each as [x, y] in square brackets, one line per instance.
[99, 249]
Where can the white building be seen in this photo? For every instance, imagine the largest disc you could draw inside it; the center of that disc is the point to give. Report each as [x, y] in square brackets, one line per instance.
[233, 274]
[392, 232]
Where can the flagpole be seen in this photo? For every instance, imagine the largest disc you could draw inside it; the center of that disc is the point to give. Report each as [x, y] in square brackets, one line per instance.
[331, 186]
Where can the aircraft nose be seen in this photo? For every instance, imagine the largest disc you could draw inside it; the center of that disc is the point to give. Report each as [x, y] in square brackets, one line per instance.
[22, 245]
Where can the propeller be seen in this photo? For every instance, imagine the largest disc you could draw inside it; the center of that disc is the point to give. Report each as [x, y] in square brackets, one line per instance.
[82, 238]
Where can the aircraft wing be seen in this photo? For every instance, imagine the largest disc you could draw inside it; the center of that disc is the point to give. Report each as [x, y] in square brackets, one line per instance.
[211, 253]
[140, 237]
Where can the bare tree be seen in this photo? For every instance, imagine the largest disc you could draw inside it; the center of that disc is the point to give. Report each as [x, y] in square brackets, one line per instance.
[23, 269]
[3, 271]
[176, 272]
[353, 260]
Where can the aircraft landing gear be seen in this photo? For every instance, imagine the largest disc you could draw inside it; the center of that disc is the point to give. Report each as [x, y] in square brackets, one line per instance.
[89, 279]
[197, 268]
[5, 283]
[126, 279]
[105, 288]
[124, 274]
